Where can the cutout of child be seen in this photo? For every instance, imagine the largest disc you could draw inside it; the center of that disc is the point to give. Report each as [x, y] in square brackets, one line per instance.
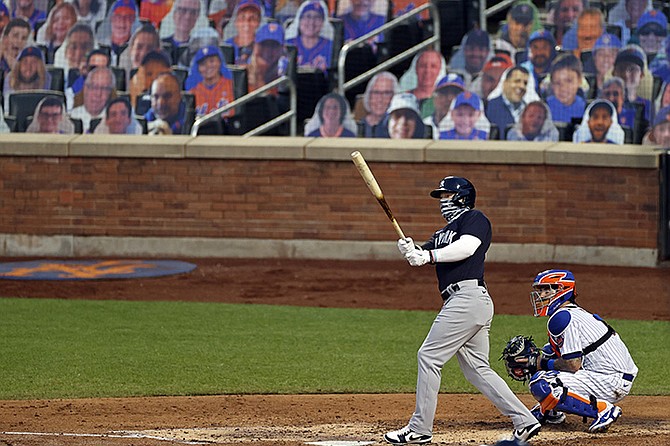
[565, 79]
[465, 112]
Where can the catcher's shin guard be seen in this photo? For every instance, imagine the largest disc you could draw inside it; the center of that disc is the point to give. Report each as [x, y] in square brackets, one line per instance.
[550, 392]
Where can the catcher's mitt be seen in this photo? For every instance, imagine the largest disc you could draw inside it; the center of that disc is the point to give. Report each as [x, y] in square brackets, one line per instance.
[520, 356]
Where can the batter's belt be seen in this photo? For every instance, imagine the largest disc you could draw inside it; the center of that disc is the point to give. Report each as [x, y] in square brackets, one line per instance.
[454, 287]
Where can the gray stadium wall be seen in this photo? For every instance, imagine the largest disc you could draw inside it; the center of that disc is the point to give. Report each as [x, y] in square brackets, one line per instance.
[213, 196]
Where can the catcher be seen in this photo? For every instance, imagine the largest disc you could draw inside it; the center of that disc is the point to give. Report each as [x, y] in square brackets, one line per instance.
[584, 369]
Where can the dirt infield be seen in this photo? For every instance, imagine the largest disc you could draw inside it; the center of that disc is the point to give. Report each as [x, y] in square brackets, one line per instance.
[295, 420]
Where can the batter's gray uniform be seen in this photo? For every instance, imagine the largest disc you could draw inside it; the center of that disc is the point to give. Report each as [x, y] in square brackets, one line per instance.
[462, 328]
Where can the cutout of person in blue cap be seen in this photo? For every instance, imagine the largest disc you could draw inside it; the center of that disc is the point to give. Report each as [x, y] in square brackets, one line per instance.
[535, 124]
[600, 124]
[521, 20]
[53, 33]
[183, 18]
[332, 118]
[446, 90]
[26, 9]
[376, 100]
[15, 37]
[240, 32]
[362, 16]
[659, 134]
[210, 81]
[631, 66]
[464, 116]
[625, 14]
[652, 29]
[614, 90]
[29, 73]
[312, 34]
[121, 22]
[268, 60]
[604, 55]
[564, 101]
[541, 53]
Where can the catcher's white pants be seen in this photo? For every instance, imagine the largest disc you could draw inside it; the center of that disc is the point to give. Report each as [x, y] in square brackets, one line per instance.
[461, 328]
[609, 387]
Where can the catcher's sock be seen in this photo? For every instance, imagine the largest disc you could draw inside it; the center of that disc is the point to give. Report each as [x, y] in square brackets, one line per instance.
[606, 417]
[527, 432]
[407, 436]
[549, 417]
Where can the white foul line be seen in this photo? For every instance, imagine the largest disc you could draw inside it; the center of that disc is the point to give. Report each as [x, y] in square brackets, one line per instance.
[71, 434]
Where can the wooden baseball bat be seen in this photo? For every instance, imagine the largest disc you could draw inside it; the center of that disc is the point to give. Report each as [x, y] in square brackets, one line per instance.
[372, 184]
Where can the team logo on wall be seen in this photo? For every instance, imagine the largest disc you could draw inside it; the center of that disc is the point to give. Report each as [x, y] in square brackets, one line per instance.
[91, 269]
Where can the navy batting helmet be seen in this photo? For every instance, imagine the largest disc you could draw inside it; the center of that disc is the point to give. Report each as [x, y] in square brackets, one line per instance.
[465, 193]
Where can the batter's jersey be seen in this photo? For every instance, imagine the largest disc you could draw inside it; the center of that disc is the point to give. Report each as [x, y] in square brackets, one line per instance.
[572, 329]
[209, 98]
[472, 222]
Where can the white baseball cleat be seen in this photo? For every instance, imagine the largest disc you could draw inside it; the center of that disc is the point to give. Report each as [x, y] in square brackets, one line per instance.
[407, 436]
[527, 432]
[605, 418]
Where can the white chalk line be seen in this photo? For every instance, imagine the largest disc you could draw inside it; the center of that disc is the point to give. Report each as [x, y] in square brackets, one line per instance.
[126, 435]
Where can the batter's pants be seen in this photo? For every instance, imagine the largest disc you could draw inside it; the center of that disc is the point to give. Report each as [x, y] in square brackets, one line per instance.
[462, 328]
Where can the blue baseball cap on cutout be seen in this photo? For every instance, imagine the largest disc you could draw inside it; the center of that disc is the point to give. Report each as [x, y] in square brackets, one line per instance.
[270, 31]
[467, 98]
[542, 34]
[662, 116]
[653, 17]
[607, 40]
[313, 6]
[451, 80]
[205, 52]
[31, 51]
[129, 4]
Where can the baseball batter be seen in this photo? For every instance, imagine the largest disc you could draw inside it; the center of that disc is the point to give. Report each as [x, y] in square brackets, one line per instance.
[462, 326]
[586, 367]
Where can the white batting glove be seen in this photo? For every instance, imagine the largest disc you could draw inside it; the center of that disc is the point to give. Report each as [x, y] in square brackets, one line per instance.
[406, 245]
[418, 257]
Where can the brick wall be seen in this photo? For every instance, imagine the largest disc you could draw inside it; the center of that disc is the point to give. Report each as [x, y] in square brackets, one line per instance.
[322, 200]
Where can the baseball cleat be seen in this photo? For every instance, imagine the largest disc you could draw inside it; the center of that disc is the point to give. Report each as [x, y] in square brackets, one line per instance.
[605, 418]
[526, 433]
[407, 436]
[550, 417]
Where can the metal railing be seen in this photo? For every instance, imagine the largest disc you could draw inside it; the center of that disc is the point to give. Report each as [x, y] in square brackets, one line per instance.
[485, 13]
[433, 41]
[291, 114]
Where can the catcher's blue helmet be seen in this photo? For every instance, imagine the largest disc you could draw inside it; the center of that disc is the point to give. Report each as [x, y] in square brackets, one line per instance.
[551, 289]
[465, 193]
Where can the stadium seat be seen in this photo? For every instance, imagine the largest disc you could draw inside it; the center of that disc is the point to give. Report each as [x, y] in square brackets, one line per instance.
[22, 104]
[120, 76]
[57, 78]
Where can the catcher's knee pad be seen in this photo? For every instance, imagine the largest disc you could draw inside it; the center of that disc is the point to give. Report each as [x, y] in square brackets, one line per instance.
[547, 389]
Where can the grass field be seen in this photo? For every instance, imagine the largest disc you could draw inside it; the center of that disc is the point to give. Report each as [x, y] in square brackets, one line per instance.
[78, 348]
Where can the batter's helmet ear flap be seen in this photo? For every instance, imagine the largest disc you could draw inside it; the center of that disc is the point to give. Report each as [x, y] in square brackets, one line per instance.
[463, 190]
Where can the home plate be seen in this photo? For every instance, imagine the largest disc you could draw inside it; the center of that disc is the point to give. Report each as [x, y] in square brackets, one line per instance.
[340, 443]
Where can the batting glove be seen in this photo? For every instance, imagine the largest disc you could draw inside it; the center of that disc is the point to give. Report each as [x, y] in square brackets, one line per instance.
[418, 257]
[406, 245]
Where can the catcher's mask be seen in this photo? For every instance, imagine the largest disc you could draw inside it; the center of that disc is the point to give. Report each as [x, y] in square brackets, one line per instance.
[551, 289]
